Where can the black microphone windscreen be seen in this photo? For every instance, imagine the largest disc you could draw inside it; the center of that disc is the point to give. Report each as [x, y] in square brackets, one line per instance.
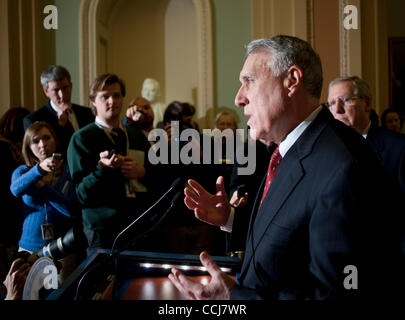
[242, 189]
[178, 183]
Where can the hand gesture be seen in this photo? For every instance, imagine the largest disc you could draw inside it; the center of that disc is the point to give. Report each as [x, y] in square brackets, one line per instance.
[15, 279]
[210, 208]
[132, 169]
[63, 114]
[134, 114]
[219, 287]
[112, 162]
[50, 164]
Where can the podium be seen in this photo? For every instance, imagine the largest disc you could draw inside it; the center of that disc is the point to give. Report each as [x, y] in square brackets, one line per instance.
[135, 275]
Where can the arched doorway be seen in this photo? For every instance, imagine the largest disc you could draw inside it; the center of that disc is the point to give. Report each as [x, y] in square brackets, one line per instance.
[137, 39]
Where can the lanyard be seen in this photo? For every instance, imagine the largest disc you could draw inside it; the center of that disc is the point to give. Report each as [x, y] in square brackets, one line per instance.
[129, 189]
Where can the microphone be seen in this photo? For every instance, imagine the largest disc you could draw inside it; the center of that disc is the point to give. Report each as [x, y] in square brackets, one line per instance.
[75, 239]
[242, 189]
[175, 186]
[173, 205]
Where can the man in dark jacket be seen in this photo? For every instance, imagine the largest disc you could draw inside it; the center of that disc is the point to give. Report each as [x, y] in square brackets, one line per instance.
[350, 102]
[316, 230]
[102, 166]
[64, 116]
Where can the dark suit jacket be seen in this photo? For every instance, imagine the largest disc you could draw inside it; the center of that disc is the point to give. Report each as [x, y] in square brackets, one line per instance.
[47, 113]
[390, 149]
[324, 211]
[236, 240]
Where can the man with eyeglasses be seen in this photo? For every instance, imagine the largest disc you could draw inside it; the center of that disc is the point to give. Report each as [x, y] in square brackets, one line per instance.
[349, 101]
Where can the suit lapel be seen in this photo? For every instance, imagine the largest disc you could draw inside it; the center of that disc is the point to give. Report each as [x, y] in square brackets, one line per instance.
[287, 177]
[376, 142]
[79, 118]
[289, 174]
[256, 205]
[51, 111]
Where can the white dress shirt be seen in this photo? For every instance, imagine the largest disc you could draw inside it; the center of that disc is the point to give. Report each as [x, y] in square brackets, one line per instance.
[71, 116]
[365, 133]
[283, 148]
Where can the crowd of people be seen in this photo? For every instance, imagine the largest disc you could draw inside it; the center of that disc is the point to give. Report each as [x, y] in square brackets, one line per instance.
[324, 194]
[67, 165]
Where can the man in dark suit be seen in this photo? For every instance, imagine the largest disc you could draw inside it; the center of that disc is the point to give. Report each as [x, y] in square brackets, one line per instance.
[317, 233]
[350, 102]
[64, 116]
[236, 239]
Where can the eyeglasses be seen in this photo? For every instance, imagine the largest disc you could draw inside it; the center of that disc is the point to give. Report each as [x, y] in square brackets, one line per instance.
[342, 101]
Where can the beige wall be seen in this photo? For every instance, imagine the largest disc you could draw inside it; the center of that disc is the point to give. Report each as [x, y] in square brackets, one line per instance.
[361, 52]
[29, 49]
[272, 17]
[181, 73]
[316, 21]
[232, 21]
[168, 40]
[136, 43]
[4, 59]
[375, 51]
[326, 40]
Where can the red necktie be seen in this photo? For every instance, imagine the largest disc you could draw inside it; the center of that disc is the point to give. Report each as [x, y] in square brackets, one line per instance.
[271, 171]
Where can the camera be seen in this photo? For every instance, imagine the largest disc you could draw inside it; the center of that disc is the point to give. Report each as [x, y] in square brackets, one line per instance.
[111, 152]
[56, 156]
[72, 241]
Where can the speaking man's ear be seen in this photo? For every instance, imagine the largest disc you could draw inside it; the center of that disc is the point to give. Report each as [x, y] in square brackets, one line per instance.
[293, 80]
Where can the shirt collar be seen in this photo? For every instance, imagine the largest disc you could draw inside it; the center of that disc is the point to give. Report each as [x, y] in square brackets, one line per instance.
[102, 123]
[106, 126]
[56, 108]
[293, 136]
[365, 132]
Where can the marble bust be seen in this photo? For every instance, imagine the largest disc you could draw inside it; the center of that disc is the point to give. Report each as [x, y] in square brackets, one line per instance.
[151, 92]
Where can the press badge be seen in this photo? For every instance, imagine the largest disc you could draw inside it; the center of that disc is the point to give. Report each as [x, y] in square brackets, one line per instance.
[47, 231]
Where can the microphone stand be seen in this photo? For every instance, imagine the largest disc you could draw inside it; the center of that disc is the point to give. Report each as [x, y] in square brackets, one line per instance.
[173, 204]
[113, 255]
[140, 217]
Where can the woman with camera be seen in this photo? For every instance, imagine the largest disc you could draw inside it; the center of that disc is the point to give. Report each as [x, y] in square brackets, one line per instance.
[45, 187]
